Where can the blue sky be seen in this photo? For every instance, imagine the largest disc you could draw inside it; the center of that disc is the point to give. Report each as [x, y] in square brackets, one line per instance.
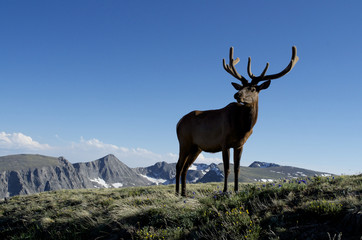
[83, 79]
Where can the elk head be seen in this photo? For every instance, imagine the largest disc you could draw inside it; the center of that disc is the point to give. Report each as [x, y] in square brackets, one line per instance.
[248, 92]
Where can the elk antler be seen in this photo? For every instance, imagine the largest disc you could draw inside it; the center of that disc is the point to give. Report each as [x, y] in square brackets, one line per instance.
[230, 68]
[262, 77]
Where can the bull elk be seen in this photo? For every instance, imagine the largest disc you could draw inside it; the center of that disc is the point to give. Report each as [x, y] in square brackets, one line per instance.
[225, 128]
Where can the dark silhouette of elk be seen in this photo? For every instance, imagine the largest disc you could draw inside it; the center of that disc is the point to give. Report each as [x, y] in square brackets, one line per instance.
[222, 129]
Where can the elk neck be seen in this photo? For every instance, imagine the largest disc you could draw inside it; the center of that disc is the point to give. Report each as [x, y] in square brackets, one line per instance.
[252, 113]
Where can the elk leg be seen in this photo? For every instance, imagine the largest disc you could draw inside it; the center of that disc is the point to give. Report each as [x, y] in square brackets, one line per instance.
[179, 166]
[226, 160]
[237, 157]
[189, 161]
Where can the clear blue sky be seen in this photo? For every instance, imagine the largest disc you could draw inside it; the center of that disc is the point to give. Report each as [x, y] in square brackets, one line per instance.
[83, 79]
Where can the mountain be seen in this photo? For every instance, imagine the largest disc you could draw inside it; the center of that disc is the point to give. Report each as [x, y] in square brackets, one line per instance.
[29, 176]
[160, 173]
[214, 174]
[257, 164]
[109, 172]
[268, 172]
[26, 161]
[26, 174]
[165, 173]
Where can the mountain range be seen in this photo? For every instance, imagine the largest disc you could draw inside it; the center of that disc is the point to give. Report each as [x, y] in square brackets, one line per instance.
[27, 174]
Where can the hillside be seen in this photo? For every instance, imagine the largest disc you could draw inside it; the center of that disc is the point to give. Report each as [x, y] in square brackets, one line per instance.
[305, 208]
[26, 161]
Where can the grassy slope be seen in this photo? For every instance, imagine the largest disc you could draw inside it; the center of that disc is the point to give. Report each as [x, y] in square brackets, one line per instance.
[26, 161]
[302, 209]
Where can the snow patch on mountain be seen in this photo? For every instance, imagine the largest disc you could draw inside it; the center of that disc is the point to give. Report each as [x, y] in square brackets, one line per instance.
[200, 167]
[157, 181]
[300, 174]
[100, 181]
[265, 180]
[117, 185]
[326, 175]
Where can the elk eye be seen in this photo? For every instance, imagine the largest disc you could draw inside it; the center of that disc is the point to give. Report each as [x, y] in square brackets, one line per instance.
[252, 89]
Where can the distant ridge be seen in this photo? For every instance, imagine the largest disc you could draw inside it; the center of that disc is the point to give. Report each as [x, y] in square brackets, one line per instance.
[257, 164]
[26, 161]
[31, 173]
[27, 174]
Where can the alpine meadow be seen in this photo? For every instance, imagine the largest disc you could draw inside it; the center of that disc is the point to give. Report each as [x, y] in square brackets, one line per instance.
[164, 120]
[304, 208]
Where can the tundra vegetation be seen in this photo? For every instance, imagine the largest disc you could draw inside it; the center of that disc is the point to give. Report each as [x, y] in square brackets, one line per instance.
[305, 208]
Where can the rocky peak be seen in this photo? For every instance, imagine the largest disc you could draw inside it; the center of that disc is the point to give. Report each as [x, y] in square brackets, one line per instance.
[257, 164]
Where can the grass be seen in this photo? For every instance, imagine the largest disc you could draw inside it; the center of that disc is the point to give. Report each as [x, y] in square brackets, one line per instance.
[309, 208]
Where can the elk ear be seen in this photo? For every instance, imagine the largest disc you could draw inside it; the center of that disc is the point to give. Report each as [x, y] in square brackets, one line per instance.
[237, 86]
[264, 85]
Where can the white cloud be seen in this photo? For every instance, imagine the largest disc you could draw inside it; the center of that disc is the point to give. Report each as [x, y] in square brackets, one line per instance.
[173, 156]
[95, 143]
[20, 141]
[86, 150]
[208, 160]
[92, 149]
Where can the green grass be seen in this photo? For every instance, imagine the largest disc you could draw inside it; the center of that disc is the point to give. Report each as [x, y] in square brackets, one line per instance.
[26, 161]
[310, 208]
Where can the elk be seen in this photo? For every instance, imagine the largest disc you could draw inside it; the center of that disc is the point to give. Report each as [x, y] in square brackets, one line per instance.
[225, 128]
